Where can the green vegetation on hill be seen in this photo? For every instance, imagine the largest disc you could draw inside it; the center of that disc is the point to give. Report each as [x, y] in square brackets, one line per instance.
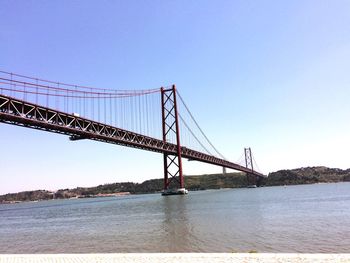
[27, 196]
[215, 181]
[307, 175]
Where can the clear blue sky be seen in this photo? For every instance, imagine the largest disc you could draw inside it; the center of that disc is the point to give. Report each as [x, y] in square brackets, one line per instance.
[272, 75]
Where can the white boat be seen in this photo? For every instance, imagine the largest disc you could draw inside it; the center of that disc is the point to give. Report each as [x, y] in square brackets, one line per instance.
[180, 191]
[251, 186]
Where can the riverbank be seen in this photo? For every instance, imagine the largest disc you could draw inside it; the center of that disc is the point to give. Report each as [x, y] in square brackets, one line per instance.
[307, 175]
[178, 257]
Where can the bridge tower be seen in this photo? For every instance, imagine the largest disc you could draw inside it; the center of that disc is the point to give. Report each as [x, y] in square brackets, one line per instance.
[173, 176]
[252, 179]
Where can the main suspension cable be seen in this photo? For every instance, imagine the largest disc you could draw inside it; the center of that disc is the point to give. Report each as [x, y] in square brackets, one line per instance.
[200, 129]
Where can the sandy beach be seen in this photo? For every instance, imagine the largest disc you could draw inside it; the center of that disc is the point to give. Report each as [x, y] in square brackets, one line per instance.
[176, 257]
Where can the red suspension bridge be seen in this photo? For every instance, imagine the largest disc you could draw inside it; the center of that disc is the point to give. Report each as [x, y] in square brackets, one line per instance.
[145, 119]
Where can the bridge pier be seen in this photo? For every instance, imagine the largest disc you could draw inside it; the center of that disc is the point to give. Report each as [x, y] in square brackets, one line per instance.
[223, 170]
[173, 176]
[253, 181]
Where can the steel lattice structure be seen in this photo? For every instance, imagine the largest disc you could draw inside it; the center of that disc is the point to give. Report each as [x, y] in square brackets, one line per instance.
[22, 113]
[252, 178]
[128, 116]
[170, 124]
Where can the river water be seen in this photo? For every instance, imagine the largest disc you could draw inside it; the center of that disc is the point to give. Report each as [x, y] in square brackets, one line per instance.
[304, 218]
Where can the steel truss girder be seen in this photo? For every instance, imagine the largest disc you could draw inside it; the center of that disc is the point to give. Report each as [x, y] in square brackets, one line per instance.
[21, 113]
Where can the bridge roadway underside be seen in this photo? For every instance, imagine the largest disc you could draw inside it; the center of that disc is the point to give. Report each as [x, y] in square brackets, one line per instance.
[21, 113]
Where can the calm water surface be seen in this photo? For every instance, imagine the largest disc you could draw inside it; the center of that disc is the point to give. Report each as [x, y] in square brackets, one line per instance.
[305, 218]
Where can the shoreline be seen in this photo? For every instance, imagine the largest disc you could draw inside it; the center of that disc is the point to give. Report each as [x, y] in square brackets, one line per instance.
[122, 194]
[298, 176]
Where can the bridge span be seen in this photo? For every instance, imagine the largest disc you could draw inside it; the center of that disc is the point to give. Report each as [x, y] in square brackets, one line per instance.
[22, 103]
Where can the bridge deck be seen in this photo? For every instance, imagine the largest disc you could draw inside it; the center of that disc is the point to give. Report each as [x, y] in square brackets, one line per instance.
[18, 112]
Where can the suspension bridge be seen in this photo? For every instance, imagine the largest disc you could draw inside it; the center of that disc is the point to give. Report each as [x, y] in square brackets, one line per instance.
[155, 120]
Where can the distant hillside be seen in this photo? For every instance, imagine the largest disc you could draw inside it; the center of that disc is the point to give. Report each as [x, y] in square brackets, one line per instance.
[307, 175]
[26, 196]
[198, 182]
